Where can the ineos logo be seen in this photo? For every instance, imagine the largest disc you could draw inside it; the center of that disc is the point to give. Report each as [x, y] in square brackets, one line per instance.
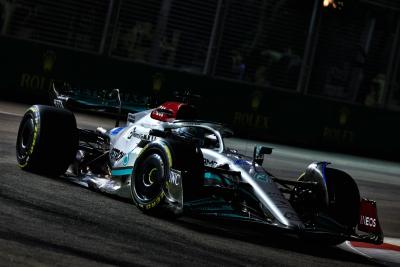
[368, 221]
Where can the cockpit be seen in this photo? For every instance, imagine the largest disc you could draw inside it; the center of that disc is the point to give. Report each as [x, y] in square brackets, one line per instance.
[205, 135]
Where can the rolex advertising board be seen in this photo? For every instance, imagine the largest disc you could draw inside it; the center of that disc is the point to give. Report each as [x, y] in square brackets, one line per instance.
[29, 69]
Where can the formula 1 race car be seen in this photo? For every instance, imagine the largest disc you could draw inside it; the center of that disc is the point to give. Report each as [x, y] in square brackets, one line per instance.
[170, 163]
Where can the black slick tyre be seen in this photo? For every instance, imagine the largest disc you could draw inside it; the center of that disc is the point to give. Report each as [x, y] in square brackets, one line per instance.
[344, 197]
[152, 171]
[47, 140]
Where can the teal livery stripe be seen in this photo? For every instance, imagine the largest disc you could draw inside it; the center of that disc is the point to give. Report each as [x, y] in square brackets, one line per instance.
[122, 171]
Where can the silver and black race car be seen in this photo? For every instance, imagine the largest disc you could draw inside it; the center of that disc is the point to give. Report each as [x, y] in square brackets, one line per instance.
[170, 163]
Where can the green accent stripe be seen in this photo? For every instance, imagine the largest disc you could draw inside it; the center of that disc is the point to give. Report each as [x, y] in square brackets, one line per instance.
[217, 178]
[120, 172]
[212, 176]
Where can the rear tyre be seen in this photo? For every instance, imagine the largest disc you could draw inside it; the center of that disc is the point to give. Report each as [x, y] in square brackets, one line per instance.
[47, 140]
[152, 171]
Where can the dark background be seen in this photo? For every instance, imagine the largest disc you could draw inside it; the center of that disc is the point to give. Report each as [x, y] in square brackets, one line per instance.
[313, 73]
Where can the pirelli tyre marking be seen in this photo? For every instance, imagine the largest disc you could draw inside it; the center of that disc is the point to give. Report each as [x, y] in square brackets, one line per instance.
[154, 203]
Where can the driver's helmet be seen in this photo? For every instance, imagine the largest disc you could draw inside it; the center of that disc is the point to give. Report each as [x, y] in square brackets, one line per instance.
[195, 134]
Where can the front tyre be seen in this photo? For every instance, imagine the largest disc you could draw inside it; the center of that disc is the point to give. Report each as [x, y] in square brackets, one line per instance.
[151, 179]
[148, 180]
[47, 140]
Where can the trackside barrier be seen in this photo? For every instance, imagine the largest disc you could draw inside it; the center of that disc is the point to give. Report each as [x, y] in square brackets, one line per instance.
[258, 113]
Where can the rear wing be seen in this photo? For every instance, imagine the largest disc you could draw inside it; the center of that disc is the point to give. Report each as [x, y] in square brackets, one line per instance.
[70, 101]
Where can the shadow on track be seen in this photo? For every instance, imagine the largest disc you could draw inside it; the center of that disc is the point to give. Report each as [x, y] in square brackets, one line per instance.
[254, 234]
[268, 237]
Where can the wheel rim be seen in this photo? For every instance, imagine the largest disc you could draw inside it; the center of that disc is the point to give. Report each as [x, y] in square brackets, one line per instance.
[149, 178]
[25, 138]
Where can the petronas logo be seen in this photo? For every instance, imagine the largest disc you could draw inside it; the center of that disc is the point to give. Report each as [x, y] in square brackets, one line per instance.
[49, 59]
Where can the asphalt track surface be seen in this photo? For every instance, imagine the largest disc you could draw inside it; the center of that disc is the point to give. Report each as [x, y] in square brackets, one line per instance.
[46, 221]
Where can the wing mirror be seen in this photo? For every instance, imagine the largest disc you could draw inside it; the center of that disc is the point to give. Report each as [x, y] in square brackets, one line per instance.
[115, 93]
[259, 152]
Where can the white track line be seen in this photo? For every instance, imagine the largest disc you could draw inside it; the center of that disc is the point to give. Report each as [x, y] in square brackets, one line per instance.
[10, 113]
[382, 255]
[392, 241]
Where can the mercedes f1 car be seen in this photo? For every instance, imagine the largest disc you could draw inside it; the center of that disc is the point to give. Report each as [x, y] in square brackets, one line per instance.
[170, 163]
